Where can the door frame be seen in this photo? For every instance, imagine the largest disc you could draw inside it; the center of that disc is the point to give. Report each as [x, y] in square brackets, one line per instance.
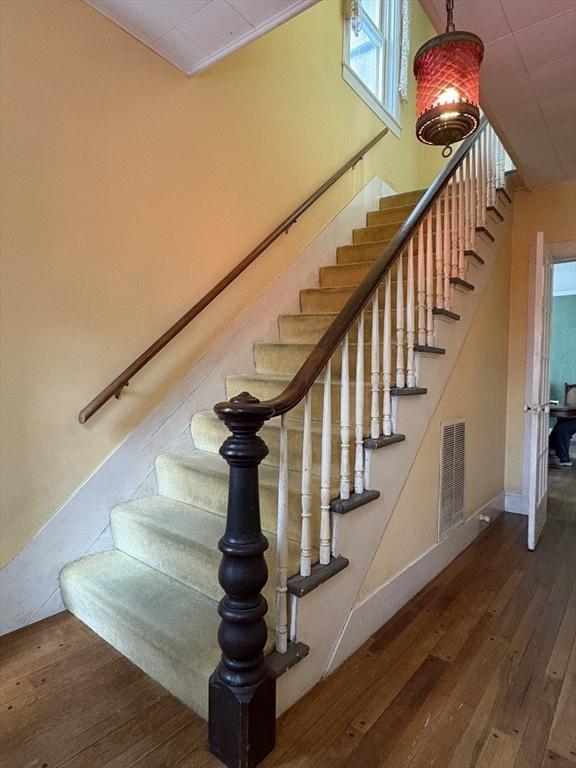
[559, 252]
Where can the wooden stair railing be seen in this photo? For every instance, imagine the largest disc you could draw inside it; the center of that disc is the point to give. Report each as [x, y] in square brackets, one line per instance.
[435, 241]
[114, 389]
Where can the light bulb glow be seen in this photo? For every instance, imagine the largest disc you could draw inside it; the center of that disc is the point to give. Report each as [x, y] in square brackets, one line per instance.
[449, 96]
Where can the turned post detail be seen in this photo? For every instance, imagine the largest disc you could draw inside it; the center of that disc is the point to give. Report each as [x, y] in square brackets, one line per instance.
[242, 699]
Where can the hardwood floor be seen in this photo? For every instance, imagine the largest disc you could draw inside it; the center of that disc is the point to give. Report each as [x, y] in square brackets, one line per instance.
[477, 671]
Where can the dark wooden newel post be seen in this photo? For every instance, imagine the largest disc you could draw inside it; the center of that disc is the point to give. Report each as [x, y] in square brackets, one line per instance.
[242, 698]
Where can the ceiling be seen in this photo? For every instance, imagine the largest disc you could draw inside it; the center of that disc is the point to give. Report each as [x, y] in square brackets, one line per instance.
[528, 78]
[193, 34]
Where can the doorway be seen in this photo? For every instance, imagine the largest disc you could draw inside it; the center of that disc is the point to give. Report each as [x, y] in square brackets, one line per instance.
[542, 410]
[562, 460]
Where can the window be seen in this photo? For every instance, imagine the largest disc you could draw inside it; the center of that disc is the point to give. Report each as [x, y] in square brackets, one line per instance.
[375, 42]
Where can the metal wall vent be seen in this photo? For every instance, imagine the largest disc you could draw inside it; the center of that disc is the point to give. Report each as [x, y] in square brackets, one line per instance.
[452, 463]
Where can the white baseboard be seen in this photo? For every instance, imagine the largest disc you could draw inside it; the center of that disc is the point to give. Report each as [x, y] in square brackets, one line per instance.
[514, 502]
[29, 587]
[376, 609]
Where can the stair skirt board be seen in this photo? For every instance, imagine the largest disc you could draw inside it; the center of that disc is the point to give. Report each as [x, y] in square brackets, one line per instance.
[154, 597]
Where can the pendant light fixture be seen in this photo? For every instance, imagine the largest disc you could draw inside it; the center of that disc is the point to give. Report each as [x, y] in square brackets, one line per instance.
[447, 71]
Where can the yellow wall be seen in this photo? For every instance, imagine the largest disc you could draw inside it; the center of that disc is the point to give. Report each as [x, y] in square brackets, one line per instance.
[128, 191]
[476, 391]
[551, 210]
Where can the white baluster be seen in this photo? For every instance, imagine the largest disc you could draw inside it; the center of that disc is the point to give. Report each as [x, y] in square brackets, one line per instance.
[306, 502]
[345, 421]
[387, 359]
[421, 287]
[446, 249]
[498, 164]
[293, 618]
[474, 192]
[375, 371]
[494, 153]
[488, 133]
[478, 219]
[484, 181]
[410, 371]
[454, 229]
[491, 167]
[501, 165]
[467, 213]
[325, 467]
[439, 251]
[359, 415]
[487, 143]
[400, 374]
[461, 224]
[429, 281]
[282, 544]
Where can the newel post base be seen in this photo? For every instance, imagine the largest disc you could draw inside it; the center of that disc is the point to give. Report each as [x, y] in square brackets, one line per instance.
[242, 723]
[242, 694]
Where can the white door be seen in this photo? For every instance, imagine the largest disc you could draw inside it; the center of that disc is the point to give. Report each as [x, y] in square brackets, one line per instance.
[537, 406]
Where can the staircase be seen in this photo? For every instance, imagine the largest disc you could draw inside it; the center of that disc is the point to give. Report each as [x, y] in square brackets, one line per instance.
[155, 596]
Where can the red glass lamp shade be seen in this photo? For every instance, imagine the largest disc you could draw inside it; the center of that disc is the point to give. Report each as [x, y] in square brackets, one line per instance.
[447, 71]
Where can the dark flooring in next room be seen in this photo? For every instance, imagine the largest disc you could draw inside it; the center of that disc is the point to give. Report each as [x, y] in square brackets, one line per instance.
[562, 490]
[477, 671]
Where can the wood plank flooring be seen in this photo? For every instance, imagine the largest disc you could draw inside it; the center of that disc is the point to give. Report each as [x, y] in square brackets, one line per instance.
[477, 671]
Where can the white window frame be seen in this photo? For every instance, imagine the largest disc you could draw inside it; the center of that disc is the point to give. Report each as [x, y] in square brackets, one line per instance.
[388, 107]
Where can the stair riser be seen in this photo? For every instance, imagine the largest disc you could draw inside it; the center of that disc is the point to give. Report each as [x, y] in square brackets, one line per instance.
[389, 215]
[264, 390]
[396, 216]
[187, 684]
[376, 234]
[404, 198]
[369, 258]
[354, 254]
[208, 435]
[322, 301]
[308, 329]
[286, 360]
[345, 275]
[210, 492]
[185, 560]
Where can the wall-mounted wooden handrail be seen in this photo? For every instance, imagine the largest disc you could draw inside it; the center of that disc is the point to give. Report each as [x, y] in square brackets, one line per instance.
[115, 387]
[323, 351]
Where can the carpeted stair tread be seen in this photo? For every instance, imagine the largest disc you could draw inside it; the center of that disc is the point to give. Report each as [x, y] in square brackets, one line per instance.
[402, 198]
[266, 387]
[379, 232]
[200, 478]
[209, 432]
[352, 274]
[394, 214]
[166, 628]
[375, 233]
[287, 359]
[320, 301]
[308, 328]
[181, 541]
[348, 254]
